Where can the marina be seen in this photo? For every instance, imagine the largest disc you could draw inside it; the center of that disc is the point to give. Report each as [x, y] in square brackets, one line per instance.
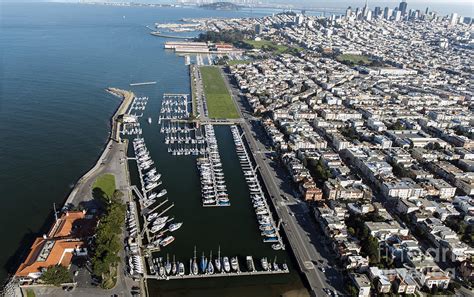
[179, 175]
[182, 137]
[213, 188]
[269, 229]
[204, 267]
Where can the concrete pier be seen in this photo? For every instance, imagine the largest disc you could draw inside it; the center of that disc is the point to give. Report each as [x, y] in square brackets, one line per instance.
[127, 98]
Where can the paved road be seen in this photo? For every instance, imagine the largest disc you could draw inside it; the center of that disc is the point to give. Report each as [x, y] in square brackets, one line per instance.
[306, 241]
[196, 74]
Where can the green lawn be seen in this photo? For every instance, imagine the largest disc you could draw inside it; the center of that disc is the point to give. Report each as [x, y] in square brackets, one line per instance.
[30, 293]
[106, 184]
[219, 101]
[354, 59]
[268, 45]
[237, 62]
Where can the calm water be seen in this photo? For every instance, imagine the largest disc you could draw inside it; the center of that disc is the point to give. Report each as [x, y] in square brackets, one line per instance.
[54, 118]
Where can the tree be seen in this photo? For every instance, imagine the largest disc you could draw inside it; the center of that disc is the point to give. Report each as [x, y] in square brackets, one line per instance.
[371, 249]
[56, 275]
[396, 126]
[107, 242]
[351, 231]
[352, 290]
[117, 195]
[321, 171]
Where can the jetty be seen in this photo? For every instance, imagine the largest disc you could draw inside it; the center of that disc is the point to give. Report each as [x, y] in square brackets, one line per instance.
[159, 34]
[127, 98]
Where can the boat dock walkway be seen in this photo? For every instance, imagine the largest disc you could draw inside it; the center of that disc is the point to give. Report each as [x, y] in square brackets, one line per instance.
[143, 83]
[191, 276]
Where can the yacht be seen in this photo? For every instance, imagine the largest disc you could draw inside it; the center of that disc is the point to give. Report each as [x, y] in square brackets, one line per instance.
[152, 195]
[277, 246]
[162, 193]
[175, 226]
[157, 228]
[226, 263]
[234, 262]
[181, 269]
[167, 240]
[152, 178]
[264, 263]
[160, 220]
[151, 186]
[250, 264]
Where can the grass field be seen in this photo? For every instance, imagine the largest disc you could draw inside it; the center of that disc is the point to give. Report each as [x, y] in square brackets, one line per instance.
[219, 101]
[30, 293]
[106, 183]
[268, 45]
[237, 62]
[354, 59]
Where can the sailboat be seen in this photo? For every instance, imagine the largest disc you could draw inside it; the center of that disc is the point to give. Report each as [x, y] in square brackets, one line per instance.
[173, 267]
[194, 265]
[210, 266]
[275, 265]
[203, 263]
[168, 265]
[218, 260]
[264, 263]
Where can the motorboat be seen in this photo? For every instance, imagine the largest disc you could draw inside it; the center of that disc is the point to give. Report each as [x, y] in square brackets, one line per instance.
[152, 217]
[162, 193]
[181, 269]
[234, 262]
[226, 263]
[250, 264]
[157, 228]
[264, 263]
[160, 220]
[175, 226]
[167, 240]
[277, 246]
[151, 186]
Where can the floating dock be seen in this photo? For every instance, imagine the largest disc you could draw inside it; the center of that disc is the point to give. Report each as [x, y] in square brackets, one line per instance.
[143, 83]
[225, 274]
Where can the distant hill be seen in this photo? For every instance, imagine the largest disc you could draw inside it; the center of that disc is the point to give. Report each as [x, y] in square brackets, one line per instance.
[221, 6]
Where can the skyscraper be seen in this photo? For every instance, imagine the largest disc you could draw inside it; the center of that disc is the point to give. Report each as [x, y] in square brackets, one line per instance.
[403, 7]
[454, 19]
[377, 11]
[348, 12]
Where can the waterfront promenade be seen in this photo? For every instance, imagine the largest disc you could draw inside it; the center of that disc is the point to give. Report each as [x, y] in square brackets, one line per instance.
[113, 160]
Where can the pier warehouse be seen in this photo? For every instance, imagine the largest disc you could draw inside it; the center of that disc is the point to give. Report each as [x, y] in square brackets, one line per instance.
[64, 241]
[201, 47]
